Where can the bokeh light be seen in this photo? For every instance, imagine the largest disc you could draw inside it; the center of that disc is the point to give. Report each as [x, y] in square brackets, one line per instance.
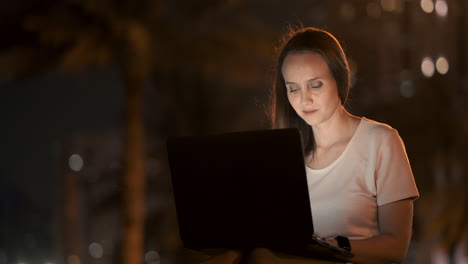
[441, 8]
[347, 11]
[442, 65]
[152, 257]
[427, 6]
[392, 5]
[407, 89]
[95, 250]
[387, 5]
[427, 67]
[75, 162]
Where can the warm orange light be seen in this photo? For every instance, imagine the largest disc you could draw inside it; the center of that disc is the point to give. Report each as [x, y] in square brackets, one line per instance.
[442, 65]
[427, 6]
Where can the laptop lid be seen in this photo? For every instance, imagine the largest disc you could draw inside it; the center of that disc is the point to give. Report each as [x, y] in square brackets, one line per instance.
[240, 190]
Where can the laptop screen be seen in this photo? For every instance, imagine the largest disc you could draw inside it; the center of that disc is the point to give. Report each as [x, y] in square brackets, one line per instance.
[243, 189]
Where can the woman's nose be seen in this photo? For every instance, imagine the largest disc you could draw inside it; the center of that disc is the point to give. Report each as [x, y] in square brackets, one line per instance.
[307, 97]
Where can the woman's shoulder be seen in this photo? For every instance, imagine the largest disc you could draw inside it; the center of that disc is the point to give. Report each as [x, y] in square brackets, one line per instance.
[377, 129]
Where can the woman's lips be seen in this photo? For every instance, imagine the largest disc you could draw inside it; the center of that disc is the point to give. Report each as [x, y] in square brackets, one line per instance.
[309, 112]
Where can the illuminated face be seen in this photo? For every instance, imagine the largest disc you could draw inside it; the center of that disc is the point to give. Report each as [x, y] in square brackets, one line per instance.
[311, 88]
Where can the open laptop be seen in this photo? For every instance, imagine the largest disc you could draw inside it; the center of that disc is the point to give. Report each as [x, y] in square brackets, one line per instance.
[244, 190]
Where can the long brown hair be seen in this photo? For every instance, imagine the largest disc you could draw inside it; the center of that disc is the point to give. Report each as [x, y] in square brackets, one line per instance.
[306, 40]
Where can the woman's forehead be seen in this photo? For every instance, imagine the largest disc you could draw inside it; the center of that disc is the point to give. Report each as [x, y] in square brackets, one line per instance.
[299, 63]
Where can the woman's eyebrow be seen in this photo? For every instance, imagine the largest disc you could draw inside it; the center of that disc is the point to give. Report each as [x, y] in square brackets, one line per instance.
[313, 79]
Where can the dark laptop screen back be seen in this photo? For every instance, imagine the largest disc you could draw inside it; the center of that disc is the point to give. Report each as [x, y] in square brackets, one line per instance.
[244, 189]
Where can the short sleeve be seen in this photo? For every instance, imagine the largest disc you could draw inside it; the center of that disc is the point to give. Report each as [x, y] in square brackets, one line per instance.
[393, 175]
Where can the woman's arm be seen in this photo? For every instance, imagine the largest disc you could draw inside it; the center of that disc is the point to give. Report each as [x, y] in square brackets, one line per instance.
[391, 245]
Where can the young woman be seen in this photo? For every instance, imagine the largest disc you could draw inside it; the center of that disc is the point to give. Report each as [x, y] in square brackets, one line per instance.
[360, 181]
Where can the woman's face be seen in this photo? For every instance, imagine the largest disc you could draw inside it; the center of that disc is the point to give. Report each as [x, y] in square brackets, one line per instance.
[311, 88]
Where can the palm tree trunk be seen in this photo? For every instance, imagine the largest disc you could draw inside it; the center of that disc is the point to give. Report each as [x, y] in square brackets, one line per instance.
[73, 217]
[133, 174]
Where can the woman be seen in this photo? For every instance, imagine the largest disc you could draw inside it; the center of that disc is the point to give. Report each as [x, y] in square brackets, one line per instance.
[360, 181]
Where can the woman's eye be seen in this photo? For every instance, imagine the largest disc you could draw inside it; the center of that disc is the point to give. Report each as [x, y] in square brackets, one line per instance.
[316, 85]
[292, 89]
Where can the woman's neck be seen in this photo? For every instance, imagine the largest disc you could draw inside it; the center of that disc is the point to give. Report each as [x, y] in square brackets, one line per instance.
[340, 126]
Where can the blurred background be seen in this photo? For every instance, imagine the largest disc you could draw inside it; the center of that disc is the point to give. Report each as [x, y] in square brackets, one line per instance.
[91, 89]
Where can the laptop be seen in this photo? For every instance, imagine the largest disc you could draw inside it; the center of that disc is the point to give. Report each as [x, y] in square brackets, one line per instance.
[244, 190]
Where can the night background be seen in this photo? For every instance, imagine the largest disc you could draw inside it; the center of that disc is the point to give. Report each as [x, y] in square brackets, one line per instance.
[91, 89]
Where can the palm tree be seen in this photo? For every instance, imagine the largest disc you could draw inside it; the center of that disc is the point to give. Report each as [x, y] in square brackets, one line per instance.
[77, 35]
[179, 39]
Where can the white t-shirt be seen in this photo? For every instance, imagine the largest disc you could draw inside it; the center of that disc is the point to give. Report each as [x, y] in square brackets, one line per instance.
[373, 170]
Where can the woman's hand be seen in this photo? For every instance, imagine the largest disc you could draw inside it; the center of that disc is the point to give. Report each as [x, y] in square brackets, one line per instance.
[332, 242]
[391, 245]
